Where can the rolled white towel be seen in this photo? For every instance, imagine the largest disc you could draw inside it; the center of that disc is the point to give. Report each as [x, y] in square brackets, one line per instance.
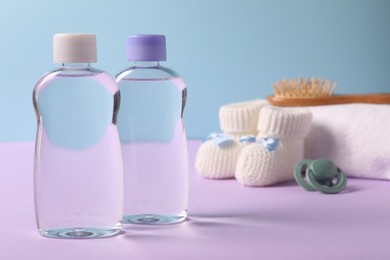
[354, 136]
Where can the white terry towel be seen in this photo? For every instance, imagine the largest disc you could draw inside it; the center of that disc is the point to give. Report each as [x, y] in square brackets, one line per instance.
[354, 136]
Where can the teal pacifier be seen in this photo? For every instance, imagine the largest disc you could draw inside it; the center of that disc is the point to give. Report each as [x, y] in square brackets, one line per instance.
[320, 175]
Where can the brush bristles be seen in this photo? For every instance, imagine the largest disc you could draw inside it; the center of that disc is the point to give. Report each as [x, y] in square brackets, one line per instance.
[304, 88]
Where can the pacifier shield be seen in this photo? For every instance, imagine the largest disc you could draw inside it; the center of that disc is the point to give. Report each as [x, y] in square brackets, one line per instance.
[320, 175]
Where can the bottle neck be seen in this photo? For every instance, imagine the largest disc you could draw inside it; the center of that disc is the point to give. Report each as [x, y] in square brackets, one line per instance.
[76, 65]
[146, 64]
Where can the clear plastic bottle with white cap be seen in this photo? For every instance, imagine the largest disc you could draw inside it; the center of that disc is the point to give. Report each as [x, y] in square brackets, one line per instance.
[151, 128]
[78, 171]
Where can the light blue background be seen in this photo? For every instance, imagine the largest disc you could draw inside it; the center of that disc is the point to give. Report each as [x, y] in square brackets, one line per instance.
[227, 51]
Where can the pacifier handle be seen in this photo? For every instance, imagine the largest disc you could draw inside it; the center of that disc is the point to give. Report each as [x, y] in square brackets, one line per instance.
[341, 183]
[299, 176]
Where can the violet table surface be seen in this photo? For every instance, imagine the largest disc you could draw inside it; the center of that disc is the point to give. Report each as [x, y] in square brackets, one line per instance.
[227, 221]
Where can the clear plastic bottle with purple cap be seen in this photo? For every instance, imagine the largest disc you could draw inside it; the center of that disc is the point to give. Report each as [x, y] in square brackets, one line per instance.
[151, 129]
[78, 172]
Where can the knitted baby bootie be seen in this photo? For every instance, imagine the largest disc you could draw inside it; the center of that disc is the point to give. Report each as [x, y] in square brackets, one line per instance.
[270, 157]
[217, 157]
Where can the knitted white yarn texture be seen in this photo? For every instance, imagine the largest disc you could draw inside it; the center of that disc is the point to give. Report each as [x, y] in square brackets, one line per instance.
[236, 119]
[256, 166]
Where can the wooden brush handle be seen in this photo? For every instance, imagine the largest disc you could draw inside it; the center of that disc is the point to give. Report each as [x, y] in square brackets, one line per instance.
[383, 98]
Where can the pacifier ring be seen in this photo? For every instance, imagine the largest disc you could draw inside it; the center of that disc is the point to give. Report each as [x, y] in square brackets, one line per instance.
[320, 175]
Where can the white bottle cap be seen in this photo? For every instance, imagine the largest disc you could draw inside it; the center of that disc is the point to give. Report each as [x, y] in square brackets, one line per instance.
[74, 48]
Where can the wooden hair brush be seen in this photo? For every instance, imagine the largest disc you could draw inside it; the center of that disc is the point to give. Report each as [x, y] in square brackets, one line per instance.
[317, 92]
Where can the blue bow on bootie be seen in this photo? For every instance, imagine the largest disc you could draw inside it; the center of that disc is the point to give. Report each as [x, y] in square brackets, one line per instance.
[269, 143]
[220, 139]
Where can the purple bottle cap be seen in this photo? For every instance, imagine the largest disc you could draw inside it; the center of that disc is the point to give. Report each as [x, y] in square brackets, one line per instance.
[146, 47]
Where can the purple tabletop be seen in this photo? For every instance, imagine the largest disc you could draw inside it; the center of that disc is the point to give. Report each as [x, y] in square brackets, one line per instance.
[226, 221]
